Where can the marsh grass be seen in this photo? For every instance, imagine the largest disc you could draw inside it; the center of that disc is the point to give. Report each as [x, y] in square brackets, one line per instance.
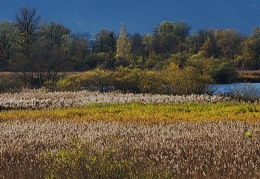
[126, 150]
[152, 113]
[38, 99]
[132, 139]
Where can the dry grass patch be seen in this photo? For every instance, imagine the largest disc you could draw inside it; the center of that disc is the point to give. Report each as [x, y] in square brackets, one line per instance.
[107, 149]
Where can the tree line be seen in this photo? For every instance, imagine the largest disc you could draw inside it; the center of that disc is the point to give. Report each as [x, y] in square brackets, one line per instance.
[39, 51]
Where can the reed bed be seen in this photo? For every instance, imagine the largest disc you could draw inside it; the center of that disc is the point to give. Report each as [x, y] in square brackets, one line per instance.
[142, 113]
[180, 150]
[113, 135]
[38, 99]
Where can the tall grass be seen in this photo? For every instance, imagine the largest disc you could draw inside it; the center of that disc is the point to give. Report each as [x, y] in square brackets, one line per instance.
[115, 135]
[152, 113]
[37, 99]
[114, 150]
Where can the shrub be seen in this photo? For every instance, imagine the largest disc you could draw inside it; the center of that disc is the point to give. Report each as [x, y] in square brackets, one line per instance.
[223, 72]
[97, 79]
[183, 81]
[137, 80]
[171, 80]
[10, 82]
[69, 83]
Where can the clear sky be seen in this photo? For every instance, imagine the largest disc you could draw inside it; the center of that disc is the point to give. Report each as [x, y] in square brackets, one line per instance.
[140, 15]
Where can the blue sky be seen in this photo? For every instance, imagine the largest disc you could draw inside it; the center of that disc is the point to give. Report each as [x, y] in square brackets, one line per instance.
[140, 15]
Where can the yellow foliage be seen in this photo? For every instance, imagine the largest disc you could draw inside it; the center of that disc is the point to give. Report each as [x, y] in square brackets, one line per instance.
[143, 113]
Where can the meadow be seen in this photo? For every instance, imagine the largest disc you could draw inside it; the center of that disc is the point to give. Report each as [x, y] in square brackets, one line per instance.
[115, 135]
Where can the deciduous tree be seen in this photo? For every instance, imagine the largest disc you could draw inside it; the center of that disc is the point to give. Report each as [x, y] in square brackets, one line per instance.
[8, 38]
[229, 42]
[252, 49]
[209, 48]
[124, 45]
[105, 41]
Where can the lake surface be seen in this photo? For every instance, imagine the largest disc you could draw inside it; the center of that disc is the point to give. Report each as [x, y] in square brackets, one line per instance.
[244, 89]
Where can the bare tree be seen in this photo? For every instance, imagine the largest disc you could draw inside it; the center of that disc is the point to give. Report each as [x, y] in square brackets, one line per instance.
[27, 20]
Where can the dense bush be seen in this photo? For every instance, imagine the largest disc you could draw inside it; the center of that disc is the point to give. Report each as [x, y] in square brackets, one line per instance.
[183, 81]
[170, 80]
[137, 81]
[223, 72]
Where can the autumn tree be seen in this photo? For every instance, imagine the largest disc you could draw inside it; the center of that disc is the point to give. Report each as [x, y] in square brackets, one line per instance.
[124, 45]
[209, 48]
[184, 81]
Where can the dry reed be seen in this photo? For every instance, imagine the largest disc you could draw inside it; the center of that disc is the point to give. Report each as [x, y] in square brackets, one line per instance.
[36, 99]
[197, 150]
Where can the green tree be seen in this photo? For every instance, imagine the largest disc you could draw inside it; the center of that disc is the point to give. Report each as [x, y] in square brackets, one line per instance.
[28, 23]
[229, 42]
[252, 50]
[105, 41]
[164, 28]
[147, 44]
[78, 51]
[52, 38]
[195, 41]
[137, 50]
[53, 32]
[223, 72]
[166, 41]
[105, 46]
[181, 29]
[169, 36]
[178, 28]
[8, 37]
[137, 44]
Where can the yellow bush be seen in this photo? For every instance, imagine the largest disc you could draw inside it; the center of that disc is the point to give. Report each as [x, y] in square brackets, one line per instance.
[183, 81]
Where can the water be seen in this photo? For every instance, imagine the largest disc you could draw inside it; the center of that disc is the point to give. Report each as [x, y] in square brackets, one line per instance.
[241, 89]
